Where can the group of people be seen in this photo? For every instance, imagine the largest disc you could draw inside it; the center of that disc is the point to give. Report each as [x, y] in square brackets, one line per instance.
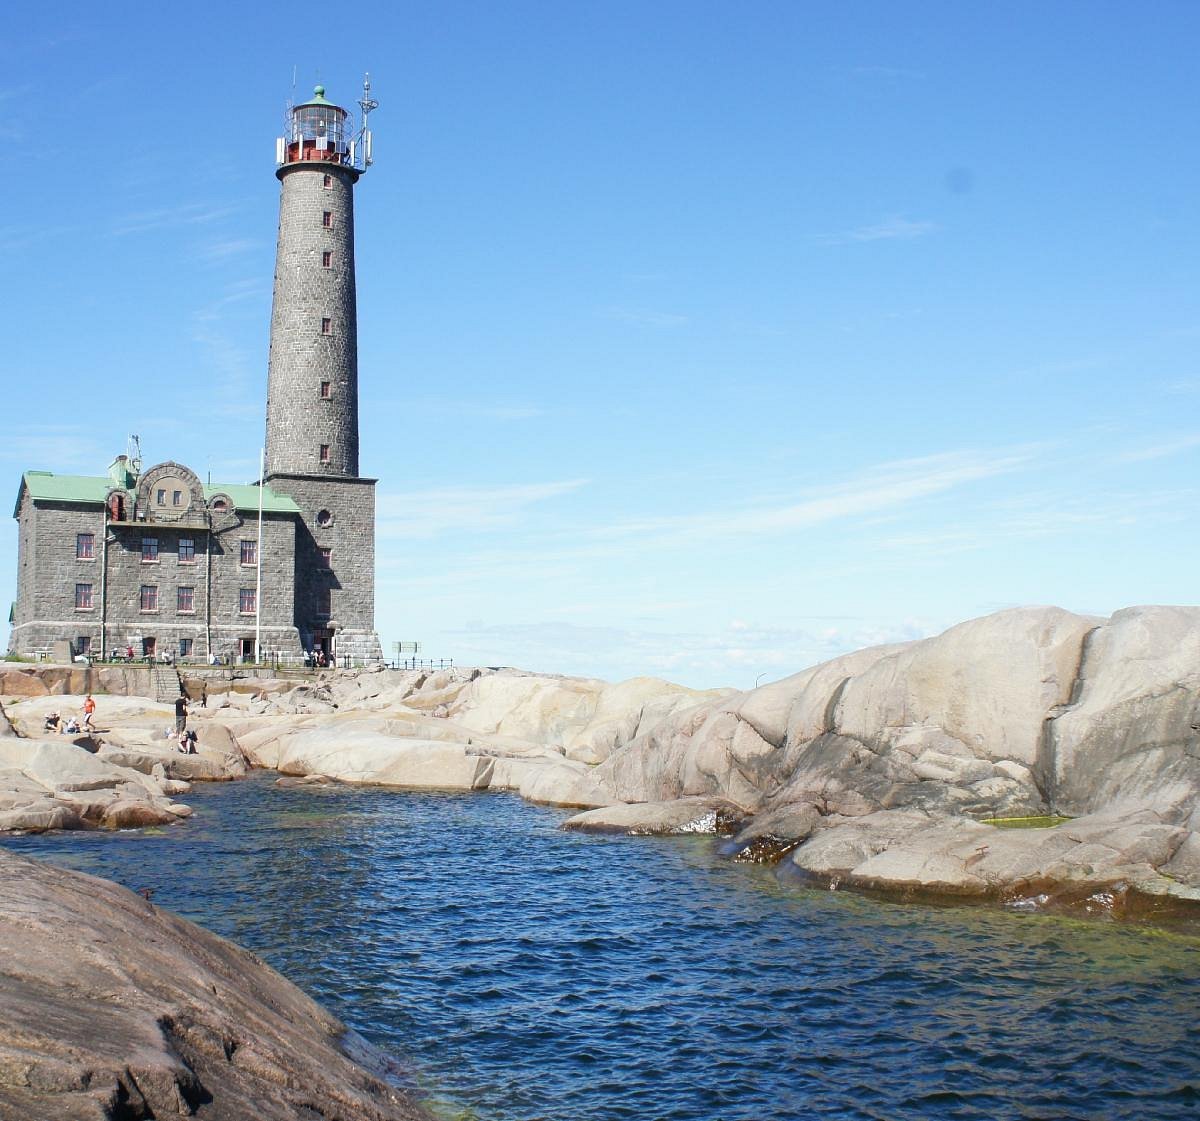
[71, 726]
[316, 659]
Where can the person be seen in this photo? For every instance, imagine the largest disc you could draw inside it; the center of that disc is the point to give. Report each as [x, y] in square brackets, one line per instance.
[89, 707]
[204, 695]
[191, 738]
[180, 713]
[53, 723]
[129, 653]
[72, 726]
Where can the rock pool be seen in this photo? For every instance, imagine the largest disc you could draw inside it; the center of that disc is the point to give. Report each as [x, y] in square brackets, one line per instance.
[527, 974]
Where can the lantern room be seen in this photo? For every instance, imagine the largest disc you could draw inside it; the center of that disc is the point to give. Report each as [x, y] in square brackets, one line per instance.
[316, 130]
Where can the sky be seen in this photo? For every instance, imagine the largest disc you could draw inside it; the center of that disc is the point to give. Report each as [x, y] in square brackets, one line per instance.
[697, 340]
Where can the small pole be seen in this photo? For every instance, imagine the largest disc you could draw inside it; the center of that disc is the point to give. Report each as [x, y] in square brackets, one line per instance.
[262, 470]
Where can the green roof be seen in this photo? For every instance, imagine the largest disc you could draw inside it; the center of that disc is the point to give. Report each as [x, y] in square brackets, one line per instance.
[318, 98]
[90, 490]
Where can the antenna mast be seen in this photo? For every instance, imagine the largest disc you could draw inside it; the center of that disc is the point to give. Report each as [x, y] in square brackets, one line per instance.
[366, 103]
[134, 451]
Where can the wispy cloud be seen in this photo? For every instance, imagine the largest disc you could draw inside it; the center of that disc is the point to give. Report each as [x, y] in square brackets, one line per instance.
[488, 410]
[67, 447]
[886, 72]
[14, 238]
[644, 318]
[1183, 387]
[1162, 449]
[224, 248]
[235, 368]
[736, 655]
[429, 513]
[1036, 517]
[881, 488]
[891, 229]
[186, 214]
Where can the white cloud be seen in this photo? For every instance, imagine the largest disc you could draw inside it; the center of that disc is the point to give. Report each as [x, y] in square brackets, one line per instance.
[186, 214]
[882, 488]
[65, 448]
[645, 318]
[891, 229]
[224, 248]
[429, 513]
[732, 657]
[1162, 449]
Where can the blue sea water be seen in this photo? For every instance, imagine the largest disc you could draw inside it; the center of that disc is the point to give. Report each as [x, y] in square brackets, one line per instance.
[521, 973]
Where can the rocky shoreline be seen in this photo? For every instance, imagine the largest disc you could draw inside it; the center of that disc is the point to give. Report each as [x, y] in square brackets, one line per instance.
[881, 770]
[887, 771]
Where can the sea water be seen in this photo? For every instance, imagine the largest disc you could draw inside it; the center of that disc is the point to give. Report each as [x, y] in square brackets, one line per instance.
[522, 973]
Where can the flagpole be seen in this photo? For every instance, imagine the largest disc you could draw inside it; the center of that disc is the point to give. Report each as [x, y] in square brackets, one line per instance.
[262, 470]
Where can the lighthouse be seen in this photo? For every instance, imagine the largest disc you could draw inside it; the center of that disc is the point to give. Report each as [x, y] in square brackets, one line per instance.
[312, 376]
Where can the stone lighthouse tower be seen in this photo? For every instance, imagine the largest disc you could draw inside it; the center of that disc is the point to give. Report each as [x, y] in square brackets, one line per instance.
[312, 379]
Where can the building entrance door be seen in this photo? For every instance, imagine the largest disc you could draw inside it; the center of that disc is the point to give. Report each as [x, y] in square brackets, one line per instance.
[148, 647]
[247, 649]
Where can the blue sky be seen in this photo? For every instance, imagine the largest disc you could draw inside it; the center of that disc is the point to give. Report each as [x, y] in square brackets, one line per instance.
[704, 340]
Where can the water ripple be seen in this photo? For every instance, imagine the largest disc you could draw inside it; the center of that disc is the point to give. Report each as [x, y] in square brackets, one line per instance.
[526, 974]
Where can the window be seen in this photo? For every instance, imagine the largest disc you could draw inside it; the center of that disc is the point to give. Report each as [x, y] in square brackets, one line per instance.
[327, 219]
[324, 518]
[326, 390]
[328, 184]
[83, 597]
[148, 599]
[326, 558]
[176, 498]
[85, 546]
[185, 600]
[325, 601]
[327, 259]
[247, 601]
[185, 647]
[220, 505]
[324, 453]
[187, 550]
[326, 326]
[162, 498]
[249, 553]
[150, 550]
[83, 644]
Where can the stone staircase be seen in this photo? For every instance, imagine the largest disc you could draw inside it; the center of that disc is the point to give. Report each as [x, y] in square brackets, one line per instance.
[165, 684]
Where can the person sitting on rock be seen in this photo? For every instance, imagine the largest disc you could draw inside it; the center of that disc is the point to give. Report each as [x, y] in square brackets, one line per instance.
[72, 726]
[53, 723]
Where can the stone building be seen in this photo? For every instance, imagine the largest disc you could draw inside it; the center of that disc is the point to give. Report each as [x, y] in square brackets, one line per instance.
[154, 560]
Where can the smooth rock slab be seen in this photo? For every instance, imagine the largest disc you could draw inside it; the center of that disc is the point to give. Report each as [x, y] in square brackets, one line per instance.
[111, 1008]
[682, 815]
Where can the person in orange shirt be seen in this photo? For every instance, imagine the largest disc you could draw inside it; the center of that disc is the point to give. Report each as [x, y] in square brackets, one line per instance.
[89, 707]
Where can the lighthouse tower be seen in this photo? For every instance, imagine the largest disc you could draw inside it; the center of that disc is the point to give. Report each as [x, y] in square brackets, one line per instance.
[312, 377]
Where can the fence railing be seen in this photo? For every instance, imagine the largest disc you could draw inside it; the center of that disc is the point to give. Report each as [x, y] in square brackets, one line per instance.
[422, 663]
